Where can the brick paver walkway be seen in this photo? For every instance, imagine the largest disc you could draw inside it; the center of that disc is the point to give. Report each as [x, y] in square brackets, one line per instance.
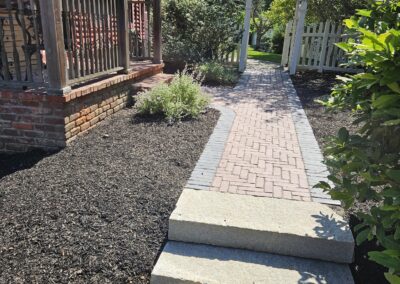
[262, 156]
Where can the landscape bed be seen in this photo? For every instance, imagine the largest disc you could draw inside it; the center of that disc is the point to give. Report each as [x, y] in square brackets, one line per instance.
[311, 86]
[97, 211]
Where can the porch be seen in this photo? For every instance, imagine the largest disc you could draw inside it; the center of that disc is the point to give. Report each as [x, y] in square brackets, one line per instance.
[65, 65]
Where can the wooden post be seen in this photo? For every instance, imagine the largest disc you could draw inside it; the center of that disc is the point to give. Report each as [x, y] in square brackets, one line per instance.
[53, 36]
[123, 29]
[157, 57]
[298, 37]
[245, 38]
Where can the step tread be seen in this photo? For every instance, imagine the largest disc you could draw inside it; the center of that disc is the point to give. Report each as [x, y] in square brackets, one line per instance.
[193, 263]
[151, 82]
[264, 224]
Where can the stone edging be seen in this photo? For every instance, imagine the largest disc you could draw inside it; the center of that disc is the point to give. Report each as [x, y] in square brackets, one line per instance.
[203, 174]
[313, 159]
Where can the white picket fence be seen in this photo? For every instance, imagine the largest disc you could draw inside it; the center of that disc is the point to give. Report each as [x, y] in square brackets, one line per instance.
[318, 50]
[232, 57]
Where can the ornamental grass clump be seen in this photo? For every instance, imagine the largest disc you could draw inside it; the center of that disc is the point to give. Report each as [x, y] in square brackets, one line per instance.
[365, 166]
[181, 99]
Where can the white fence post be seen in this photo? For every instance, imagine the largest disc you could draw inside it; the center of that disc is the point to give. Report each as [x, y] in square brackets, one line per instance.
[286, 44]
[322, 58]
[295, 53]
[245, 39]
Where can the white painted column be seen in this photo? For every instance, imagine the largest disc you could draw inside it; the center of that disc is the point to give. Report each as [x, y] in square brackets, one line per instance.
[245, 38]
[254, 39]
[298, 37]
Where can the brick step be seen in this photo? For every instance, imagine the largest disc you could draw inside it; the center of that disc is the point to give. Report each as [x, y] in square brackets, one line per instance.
[150, 82]
[193, 263]
[285, 227]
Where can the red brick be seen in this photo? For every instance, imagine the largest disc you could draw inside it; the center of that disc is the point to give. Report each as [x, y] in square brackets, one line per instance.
[70, 126]
[85, 111]
[90, 116]
[75, 131]
[102, 116]
[85, 126]
[94, 121]
[74, 116]
[54, 120]
[80, 120]
[22, 126]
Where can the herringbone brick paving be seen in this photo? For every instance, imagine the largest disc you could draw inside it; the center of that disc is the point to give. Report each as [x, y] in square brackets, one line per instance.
[262, 156]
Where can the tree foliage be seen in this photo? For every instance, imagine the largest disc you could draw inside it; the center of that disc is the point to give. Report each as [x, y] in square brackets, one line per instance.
[366, 166]
[282, 11]
[200, 30]
[260, 21]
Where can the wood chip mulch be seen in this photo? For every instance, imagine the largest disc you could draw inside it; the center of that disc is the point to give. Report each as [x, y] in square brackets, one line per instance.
[97, 211]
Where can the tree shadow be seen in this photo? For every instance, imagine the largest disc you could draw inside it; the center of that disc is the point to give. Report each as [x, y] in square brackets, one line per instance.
[11, 163]
[332, 228]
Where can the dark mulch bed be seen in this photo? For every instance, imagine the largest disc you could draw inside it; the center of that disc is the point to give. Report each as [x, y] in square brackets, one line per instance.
[97, 211]
[313, 86]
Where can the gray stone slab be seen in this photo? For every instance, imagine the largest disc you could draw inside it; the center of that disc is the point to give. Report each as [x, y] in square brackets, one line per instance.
[296, 228]
[190, 263]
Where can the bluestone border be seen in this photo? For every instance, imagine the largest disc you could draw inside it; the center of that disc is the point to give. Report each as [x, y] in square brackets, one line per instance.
[203, 174]
[313, 159]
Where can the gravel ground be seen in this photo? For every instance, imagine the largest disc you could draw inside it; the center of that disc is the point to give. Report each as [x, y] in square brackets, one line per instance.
[313, 86]
[97, 211]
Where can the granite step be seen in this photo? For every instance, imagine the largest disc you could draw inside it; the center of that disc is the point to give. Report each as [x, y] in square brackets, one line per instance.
[285, 227]
[193, 263]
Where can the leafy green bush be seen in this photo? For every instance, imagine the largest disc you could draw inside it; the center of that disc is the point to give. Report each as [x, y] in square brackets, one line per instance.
[181, 99]
[366, 166]
[277, 40]
[217, 73]
[200, 30]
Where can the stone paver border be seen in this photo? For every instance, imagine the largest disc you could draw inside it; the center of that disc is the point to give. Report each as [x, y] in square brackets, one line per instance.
[313, 159]
[203, 175]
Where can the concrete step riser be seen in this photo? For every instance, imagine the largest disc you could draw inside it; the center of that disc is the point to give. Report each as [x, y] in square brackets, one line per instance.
[261, 241]
[190, 263]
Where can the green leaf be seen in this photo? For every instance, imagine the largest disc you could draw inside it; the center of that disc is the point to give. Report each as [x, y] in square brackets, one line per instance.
[389, 208]
[364, 13]
[393, 279]
[394, 175]
[344, 46]
[359, 227]
[393, 122]
[385, 260]
[362, 236]
[324, 185]
[394, 87]
[385, 101]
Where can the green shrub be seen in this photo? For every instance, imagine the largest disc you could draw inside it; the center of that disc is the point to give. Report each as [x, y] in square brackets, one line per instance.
[217, 73]
[277, 40]
[366, 166]
[199, 30]
[183, 98]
